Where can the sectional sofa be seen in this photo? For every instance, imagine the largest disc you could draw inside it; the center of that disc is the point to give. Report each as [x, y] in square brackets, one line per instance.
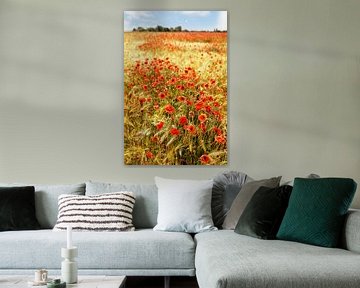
[219, 259]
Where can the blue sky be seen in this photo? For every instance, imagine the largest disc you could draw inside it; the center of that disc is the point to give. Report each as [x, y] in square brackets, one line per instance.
[191, 20]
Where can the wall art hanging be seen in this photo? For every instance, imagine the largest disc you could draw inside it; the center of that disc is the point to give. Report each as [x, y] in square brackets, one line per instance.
[175, 87]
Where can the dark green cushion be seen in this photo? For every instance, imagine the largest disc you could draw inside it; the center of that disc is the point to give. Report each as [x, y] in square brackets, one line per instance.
[17, 208]
[264, 213]
[316, 211]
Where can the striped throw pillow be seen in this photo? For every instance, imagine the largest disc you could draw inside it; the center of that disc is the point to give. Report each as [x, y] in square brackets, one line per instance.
[105, 212]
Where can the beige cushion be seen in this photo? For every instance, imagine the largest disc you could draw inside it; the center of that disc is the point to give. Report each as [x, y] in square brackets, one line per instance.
[243, 198]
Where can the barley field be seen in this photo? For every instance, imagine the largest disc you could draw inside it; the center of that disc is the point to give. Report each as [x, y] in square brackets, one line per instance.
[175, 98]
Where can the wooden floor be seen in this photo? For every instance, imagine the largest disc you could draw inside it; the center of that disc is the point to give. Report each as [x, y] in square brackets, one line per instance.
[158, 282]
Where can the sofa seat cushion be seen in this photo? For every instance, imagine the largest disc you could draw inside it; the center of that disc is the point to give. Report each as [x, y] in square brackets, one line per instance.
[226, 259]
[141, 249]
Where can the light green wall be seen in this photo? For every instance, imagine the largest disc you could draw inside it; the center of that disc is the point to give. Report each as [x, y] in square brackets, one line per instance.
[294, 88]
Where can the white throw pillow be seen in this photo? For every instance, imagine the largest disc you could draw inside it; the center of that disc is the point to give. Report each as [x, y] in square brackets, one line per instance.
[104, 212]
[184, 205]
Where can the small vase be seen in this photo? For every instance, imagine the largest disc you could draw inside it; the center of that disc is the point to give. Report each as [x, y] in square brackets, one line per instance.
[69, 271]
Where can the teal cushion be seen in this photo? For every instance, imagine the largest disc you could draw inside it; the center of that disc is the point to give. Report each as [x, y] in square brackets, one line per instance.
[316, 211]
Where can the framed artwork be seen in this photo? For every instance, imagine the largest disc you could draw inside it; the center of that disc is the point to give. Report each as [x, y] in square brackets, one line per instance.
[175, 87]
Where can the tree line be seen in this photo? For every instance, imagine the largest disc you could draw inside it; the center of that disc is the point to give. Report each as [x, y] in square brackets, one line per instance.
[160, 28]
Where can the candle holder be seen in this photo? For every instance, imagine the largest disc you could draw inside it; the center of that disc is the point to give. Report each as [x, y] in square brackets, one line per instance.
[69, 271]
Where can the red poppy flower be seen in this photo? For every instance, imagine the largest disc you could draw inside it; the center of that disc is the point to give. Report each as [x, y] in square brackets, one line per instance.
[183, 120]
[162, 95]
[181, 98]
[217, 130]
[149, 154]
[220, 139]
[154, 139]
[145, 87]
[191, 129]
[169, 109]
[199, 105]
[160, 125]
[217, 115]
[205, 159]
[202, 118]
[174, 131]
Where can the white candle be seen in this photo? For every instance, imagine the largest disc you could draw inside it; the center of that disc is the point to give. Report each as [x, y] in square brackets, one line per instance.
[69, 237]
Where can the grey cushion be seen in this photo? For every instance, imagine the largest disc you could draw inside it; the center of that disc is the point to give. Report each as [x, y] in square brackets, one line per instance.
[46, 200]
[310, 176]
[144, 249]
[225, 189]
[184, 205]
[146, 204]
[243, 198]
[225, 259]
[351, 234]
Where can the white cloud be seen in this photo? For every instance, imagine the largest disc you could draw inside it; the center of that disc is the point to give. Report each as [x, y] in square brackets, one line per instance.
[196, 13]
[222, 21]
[134, 15]
[131, 18]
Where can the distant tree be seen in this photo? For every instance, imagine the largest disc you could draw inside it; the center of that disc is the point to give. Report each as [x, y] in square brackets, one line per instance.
[159, 28]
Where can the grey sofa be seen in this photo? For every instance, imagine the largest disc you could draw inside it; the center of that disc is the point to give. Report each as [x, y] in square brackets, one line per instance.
[220, 259]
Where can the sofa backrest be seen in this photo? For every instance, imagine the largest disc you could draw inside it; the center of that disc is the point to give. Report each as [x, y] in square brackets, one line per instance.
[146, 203]
[46, 200]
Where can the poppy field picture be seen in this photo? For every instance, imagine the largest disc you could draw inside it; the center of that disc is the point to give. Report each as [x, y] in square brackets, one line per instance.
[175, 87]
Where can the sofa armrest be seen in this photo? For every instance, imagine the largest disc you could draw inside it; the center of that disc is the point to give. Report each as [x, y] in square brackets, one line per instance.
[351, 234]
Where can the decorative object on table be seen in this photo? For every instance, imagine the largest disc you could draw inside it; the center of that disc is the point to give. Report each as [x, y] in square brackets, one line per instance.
[69, 265]
[56, 283]
[175, 88]
[40, 279]
[41, 275]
